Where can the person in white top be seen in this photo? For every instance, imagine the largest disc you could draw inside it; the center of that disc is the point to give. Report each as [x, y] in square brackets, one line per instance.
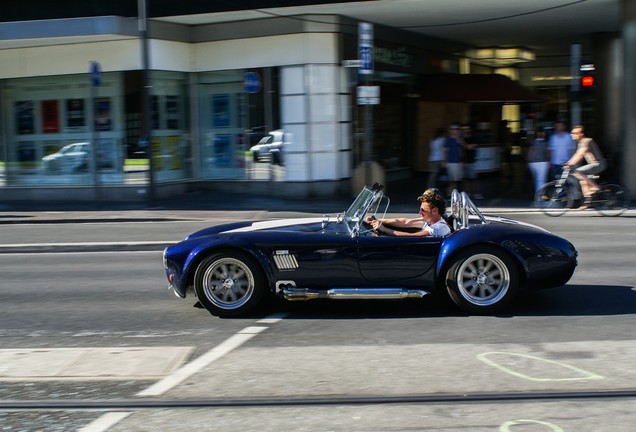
[430, 222]
[561, 146]
[436, 156]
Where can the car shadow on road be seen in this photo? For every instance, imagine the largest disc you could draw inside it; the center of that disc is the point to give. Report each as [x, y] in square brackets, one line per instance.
[432, 306]
[569, 300]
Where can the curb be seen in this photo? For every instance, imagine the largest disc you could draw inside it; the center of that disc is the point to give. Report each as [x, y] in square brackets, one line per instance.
[85, 247]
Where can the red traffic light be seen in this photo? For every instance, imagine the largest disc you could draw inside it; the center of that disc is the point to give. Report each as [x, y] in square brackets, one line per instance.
[587, 81]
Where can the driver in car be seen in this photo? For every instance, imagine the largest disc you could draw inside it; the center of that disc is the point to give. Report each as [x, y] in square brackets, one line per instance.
[430, 222]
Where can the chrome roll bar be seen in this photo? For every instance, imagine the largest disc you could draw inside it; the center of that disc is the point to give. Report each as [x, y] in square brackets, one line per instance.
[462, 208]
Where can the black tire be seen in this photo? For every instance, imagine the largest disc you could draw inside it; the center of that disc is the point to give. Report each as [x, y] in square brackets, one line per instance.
[483, 280]
[229, 284]
[554, 200]
[613, 200]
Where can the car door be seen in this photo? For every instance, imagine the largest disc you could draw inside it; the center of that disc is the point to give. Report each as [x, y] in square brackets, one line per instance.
[397, 261]
[312, 259]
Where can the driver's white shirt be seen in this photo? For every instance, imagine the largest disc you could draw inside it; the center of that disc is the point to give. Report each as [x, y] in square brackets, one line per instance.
[438, 229]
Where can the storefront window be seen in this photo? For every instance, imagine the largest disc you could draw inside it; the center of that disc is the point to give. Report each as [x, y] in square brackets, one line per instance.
[51, 128]
[235, 120]
[171, 140]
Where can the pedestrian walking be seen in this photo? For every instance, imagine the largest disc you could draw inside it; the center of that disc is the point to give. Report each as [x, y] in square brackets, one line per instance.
[453, 156]
[436, 156]
[561, 146]
[539, 158]
[469, 147]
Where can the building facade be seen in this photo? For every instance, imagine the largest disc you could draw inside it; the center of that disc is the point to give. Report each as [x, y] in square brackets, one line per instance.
[214, 90]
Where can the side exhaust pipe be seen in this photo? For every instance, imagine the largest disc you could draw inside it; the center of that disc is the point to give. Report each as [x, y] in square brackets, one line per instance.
[294, 293]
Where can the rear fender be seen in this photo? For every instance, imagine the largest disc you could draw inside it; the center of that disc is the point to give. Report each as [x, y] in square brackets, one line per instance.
[462, 239]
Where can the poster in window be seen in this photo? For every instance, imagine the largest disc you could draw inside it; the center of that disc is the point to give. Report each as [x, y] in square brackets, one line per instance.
[106, 155]
[172, 147]
[50, 116]
[220, 111]
[172, 112]
[26, 154]
[24, 117]
[155, 112]
[75, 113]
[103, 121]
[223, 151]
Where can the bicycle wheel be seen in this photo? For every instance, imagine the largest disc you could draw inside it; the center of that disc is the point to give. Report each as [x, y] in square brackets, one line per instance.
[553, 200]
[613, 200]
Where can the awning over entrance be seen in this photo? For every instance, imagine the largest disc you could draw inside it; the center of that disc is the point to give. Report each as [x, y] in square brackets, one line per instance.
[493, 88]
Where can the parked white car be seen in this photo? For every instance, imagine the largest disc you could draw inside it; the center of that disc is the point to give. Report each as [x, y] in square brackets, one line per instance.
[269, 148]
[69, 159]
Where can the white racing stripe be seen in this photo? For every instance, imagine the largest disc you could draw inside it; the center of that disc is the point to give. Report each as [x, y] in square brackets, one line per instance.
[278, 223]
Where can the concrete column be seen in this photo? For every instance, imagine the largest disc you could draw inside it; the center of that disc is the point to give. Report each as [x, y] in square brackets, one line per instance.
[607, 127]
[629, 92]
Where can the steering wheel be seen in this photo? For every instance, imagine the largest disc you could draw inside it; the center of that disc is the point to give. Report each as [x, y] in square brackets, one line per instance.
[370, 228]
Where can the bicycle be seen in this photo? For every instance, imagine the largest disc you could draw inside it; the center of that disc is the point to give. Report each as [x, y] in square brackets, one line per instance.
[557, 197]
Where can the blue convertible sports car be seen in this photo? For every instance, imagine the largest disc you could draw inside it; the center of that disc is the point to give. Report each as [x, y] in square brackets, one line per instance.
[482, 264]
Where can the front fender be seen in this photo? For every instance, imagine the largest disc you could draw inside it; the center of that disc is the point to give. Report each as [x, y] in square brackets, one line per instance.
[183, 258]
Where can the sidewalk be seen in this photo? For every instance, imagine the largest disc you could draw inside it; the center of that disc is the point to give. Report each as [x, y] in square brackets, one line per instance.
[202, 204]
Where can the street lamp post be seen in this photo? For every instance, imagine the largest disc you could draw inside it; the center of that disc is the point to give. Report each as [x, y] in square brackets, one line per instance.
[146, 117]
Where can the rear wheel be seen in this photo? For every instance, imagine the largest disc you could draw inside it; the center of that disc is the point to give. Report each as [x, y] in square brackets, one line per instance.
[229, 284]
[613, 200]
[483, 280]
[553, 200]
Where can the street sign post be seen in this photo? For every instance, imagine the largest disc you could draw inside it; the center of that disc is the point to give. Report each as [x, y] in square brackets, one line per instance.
[368, 95]
[365, 48]
[95, 71]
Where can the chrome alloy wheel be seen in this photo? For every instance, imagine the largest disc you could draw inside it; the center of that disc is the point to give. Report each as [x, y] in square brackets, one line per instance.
[228, 283]
[483, 279]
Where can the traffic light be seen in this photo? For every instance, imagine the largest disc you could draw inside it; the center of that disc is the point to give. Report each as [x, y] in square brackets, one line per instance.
[588, 81]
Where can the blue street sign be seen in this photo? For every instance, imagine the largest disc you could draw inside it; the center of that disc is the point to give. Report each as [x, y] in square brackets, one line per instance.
[96, 74]
[365, 48]
[252, 82]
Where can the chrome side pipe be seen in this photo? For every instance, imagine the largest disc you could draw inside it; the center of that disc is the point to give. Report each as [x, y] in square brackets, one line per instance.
[295, 293]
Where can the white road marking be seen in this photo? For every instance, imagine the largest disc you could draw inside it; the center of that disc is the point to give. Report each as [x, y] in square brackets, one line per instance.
[581, 374]
[92, 364]
[197, 365]
[106, 421]
[506, 426]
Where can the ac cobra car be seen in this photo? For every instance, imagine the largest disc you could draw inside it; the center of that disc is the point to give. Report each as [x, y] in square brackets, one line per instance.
[482, 264]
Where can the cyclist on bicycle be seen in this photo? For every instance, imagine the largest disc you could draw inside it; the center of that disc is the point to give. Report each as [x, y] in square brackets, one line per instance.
[587, 151]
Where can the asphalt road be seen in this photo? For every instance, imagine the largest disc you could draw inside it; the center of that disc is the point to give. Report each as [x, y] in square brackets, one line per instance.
[561, 360]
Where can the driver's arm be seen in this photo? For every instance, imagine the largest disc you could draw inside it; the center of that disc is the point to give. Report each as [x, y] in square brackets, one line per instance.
[398, 233]
[398, 222]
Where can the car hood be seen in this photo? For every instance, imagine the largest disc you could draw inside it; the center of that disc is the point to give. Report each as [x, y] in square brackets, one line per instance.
[304, 225]
[52, 156]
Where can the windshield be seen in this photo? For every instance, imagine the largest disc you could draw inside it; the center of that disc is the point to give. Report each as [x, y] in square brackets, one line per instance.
[366, 202]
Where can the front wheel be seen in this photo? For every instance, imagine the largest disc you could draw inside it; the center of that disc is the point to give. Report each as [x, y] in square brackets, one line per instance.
[553, 199]
[482, 281]
[613, 200]
[229, 284]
